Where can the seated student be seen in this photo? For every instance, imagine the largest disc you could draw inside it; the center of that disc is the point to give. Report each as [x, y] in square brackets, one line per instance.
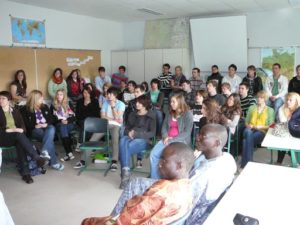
[129, 94]
[276, 87]
[56, 82]
[177, 80]
[209, 178]
[216, 76]
[226, 90]
[140, 128]
[116, 78]
[294, 84]
[122, 90]
[157, 100]
[165, 80]
[258, 120]
[103, 95]
[146, 86]
[177, 127]
[188, 92]
[196, 82]
[197, 106]
[167, 200]
[64, 118]
[93, 89]
[75, 86]
[291, 104]
[254, 81]
[18, 87]
[39, 124]
[232, 78]
[101, 79]
[232, 111]
[12, 133]
[245, 99]
[212, 93]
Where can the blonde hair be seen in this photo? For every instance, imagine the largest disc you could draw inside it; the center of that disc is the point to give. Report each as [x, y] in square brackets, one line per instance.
[291, 95]
[182, 106]
[32, 100]
[262, 94]
[64, 103]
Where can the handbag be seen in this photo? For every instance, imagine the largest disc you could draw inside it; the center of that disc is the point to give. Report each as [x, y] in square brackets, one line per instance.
[281, 130]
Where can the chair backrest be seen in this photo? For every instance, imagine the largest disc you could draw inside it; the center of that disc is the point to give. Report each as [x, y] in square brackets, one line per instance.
[95, 125]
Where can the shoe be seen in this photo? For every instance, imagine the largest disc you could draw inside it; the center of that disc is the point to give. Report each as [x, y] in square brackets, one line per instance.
[125, 177]
[58, 166]
[79, 164]
[113, 167]
[27, 178]
[139, 164]
[41, 162]
[77, 148]
[68, 157]
[45, 155]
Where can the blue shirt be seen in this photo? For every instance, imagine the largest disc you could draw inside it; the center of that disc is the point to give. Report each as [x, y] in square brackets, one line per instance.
[101, 81]
[120, 106]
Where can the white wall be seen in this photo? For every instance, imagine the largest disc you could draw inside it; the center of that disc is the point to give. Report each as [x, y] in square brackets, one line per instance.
[66, 30]
[134, 35]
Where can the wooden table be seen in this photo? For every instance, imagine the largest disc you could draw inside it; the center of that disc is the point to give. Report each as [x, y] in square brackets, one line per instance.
[268, 193]
[288, 144]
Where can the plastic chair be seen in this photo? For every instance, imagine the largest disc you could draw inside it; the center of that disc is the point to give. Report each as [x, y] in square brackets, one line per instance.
[233, 139]
[95, 125]
[9, 155]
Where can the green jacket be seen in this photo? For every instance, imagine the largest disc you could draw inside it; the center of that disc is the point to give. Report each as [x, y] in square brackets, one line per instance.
[270, 115]
[53, 87]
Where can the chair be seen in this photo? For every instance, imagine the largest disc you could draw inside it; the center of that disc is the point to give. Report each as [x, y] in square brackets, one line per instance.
[233, 140]
[9, 155]
[95, 125]
[195, 131]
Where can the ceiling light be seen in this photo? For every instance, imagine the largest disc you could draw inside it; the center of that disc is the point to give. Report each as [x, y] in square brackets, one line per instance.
[149, 11]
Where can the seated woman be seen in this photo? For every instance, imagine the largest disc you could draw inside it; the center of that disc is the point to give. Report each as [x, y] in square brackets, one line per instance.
[18, 87]
[291, 104]
[167, 200]
[258, 120]
[39, 123]
[75, 86]
[232, 111]
[56, 82]
[103, 95]
[177, 127]
[201, 95]
[140, 128]
[12, 133]
[64, 118]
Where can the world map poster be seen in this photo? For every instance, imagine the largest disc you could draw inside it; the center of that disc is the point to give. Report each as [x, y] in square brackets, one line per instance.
[27, 32]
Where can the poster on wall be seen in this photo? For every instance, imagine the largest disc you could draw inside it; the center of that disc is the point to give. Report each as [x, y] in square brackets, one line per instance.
[284, 56]
[28, 32]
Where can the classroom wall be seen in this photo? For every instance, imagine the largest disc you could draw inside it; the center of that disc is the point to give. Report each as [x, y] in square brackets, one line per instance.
[66, 30]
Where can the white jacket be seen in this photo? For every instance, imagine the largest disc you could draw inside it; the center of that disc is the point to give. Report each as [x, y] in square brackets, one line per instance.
[283, 84]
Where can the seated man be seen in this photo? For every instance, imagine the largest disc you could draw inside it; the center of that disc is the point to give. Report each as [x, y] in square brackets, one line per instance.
[167, 200]
[212, 173]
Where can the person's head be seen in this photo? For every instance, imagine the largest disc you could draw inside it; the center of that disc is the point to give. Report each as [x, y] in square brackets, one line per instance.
[211, 140]
[233, 100]
[106, 85]
[74, 75]
[298, 70]
[143, 102]
[155, 84]
[292, 101]
[101, 71]
[20, 76]
[262, 97]
[112, 93]
[195, 72]
[35, 100]
[5, 98]
[139, 90]
[178, 70]
[166, 68]
[91, 87]
[276, 69]
[61, 99]
[122, 70]
[131, 86]
[243, 89]
[214, 69]
[251, 71]
[226, 89]
[88, 92]
[186, 86]
[200, 96]
[211, 110]
[122, 85]
[145, 85]
[57, 74]
[178, 105]
[212, 87]
[232, 70]
[176, 161]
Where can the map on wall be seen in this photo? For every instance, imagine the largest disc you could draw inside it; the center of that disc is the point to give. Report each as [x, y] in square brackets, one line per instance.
[167, 33]
[27, 32]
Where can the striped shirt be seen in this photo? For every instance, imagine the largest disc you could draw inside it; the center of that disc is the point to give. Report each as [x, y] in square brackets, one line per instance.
[197, 84]
[246, 103]
[165, 80]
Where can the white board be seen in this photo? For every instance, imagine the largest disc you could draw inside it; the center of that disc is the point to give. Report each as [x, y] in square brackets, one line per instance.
[118, 58]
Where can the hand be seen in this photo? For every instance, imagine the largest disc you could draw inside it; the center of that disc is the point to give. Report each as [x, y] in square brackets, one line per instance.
[273, 98]
[64, 121]
[44, 125]
[19, 130]
[131, 134]
[166, 141]
[250, 126]
[38, 125]
[112, 104]
[197, 153]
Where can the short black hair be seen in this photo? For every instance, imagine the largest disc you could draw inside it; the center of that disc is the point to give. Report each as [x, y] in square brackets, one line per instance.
[232, 66]
[155, 81]
[186, 81]
[132, 82]
[6, 94]
[298, 66]
[113, 90]
[215, 66]
[145, 101]
[196, 68]
[277, 64]
[122, 68]
[167, 65]
[145, 85]
[246, 84]
[141, 87]
[101, 69]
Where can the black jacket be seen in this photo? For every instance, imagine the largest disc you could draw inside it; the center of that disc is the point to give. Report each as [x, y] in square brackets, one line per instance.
[90, 110]
[70, 119]
[17, 118]
[258, 86]
[217, 77]
[294, 85]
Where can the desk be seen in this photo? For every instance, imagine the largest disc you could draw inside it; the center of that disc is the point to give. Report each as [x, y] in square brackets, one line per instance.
[266, 192]
[289, 143]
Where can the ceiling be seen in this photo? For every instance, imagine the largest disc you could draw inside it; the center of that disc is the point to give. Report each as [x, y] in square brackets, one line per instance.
[126, 10]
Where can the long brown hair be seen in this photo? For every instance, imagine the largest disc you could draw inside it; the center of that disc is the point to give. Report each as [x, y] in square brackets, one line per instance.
[214, 114]
[24, 83]
[182, 106]
[231, 111]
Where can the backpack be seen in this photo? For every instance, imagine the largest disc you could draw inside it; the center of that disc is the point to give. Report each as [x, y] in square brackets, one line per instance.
[294, 124]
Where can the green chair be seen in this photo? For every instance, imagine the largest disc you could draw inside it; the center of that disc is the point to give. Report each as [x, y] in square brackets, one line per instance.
[9, 155]
[95, 125]
[233, 139]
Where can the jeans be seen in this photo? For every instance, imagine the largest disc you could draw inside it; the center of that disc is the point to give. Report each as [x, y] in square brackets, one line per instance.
[129, 147]
[276, 105]
[46, 136]
[251, 139]
[159, 120]
[65, 129]
[154, 159]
